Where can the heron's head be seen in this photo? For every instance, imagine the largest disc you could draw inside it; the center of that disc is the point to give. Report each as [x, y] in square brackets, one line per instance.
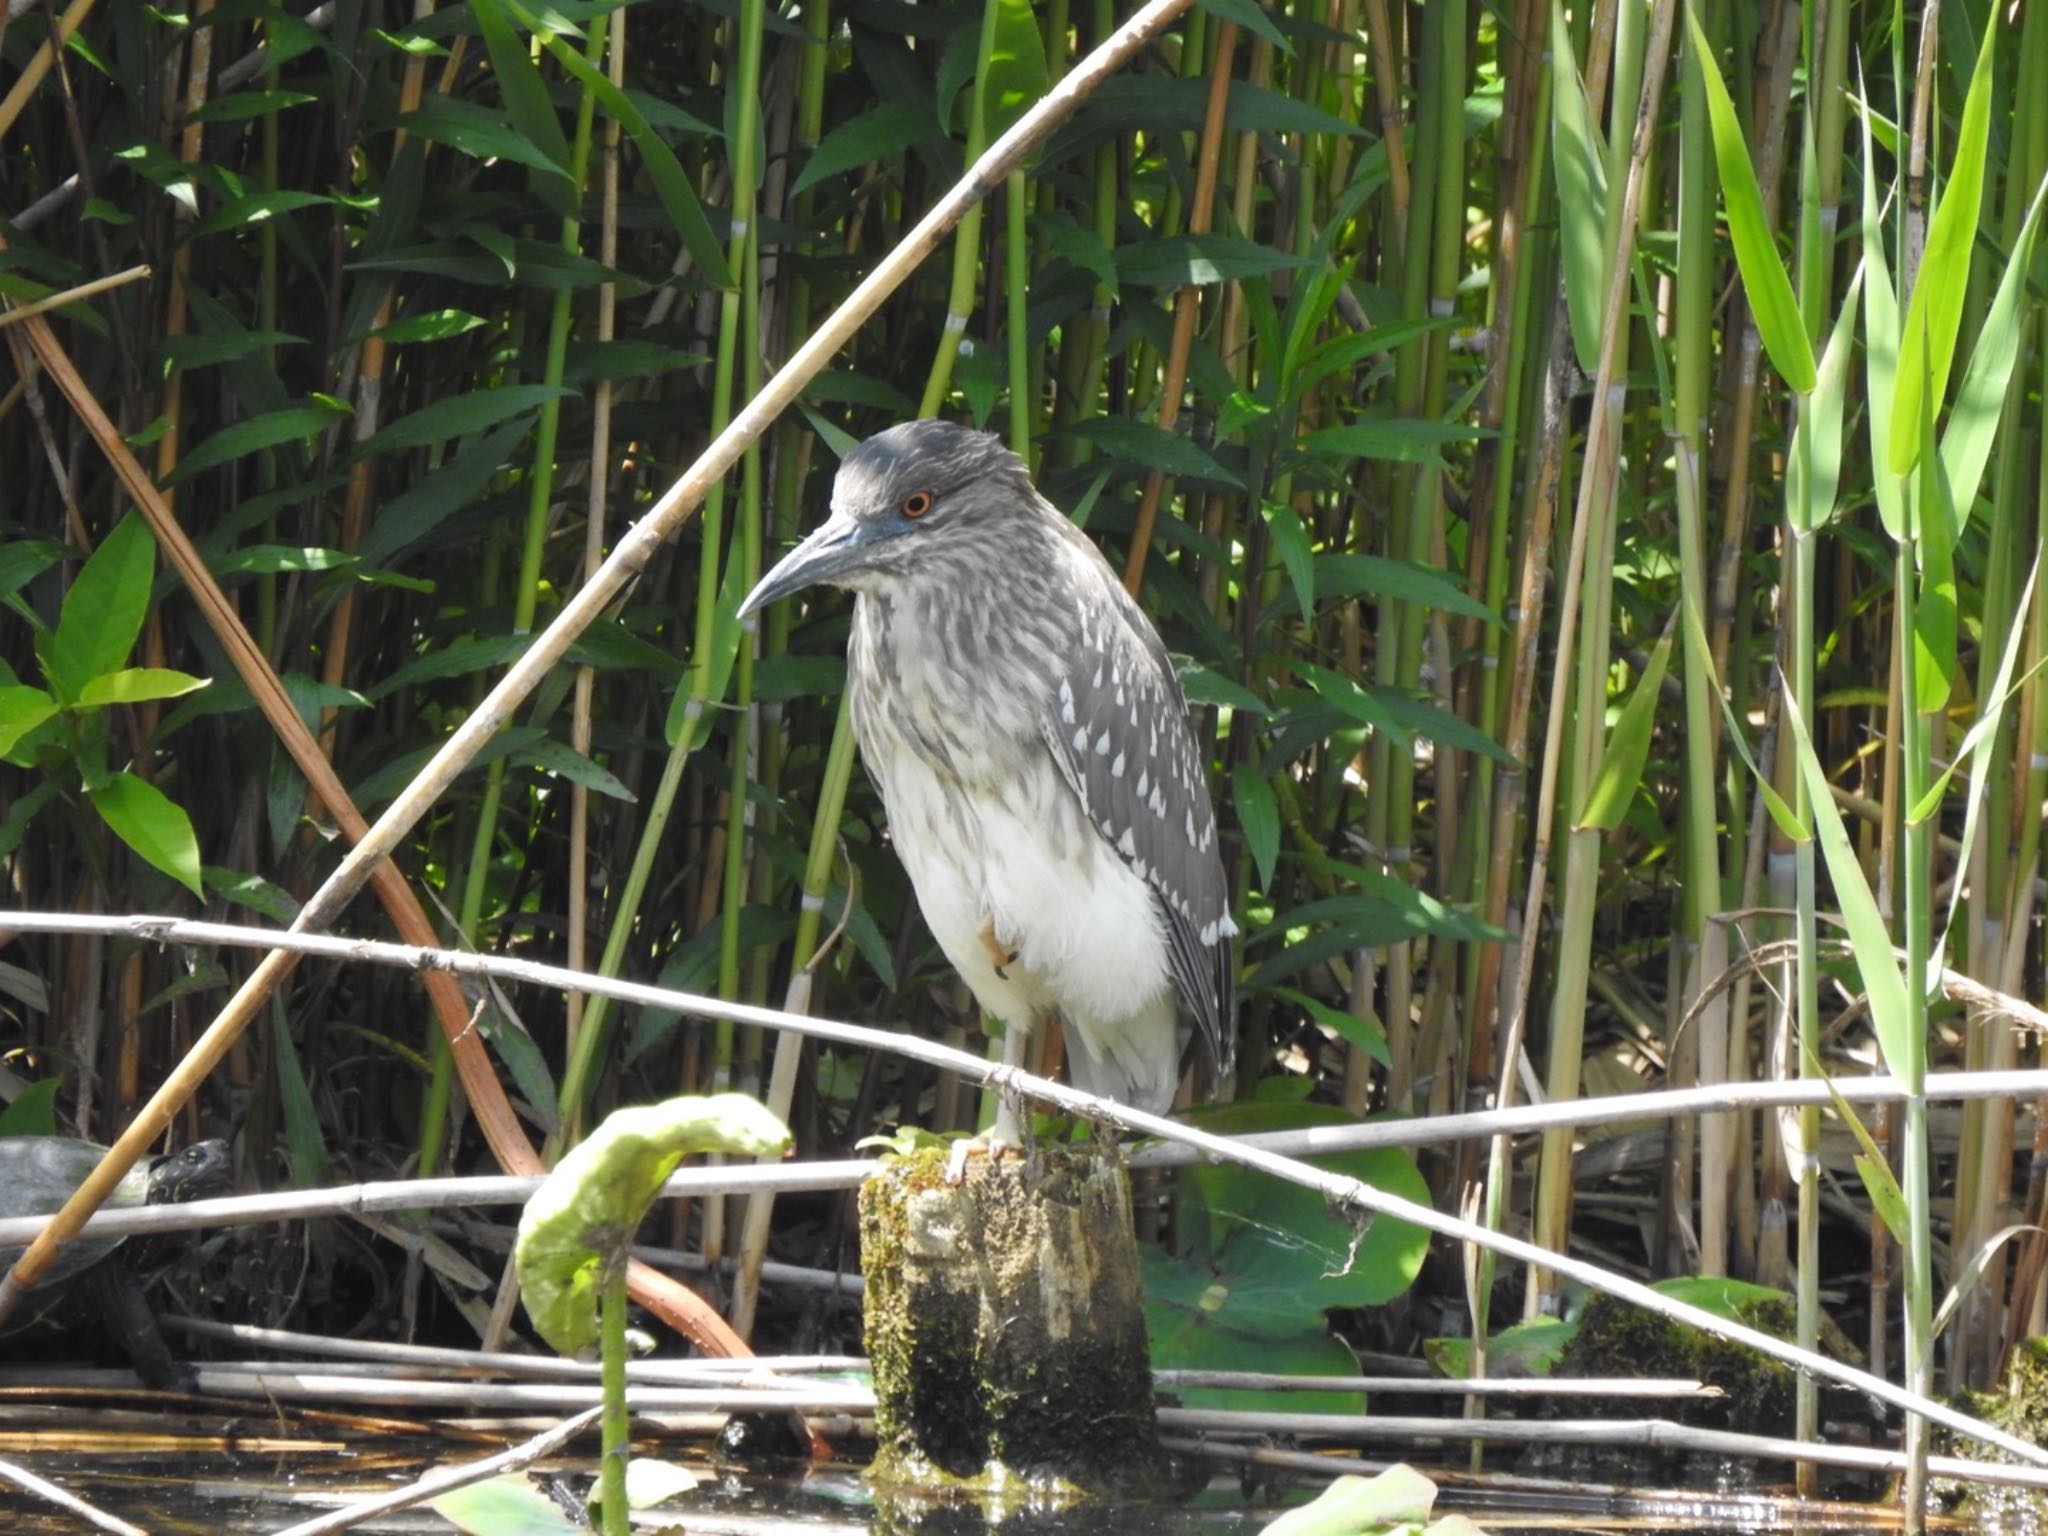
[900, 498]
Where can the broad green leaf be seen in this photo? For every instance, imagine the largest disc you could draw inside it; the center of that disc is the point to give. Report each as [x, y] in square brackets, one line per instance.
[1348, 575]
[305, 1143]
[564, 761]
[1348, 1027]
[1886, 1198]
[137, 685]
[275, 559]
[293, 424]
[1980, 403]
[839, 441]
[1259, 816]
[1296, 550]
[1628, 748]
[480, 132]
[1817, 438]
[671, 182]
[538, 263]
[1422, 717]
[525, 96]
[1935, 619]
[1581, 160]
[1178, 261]
[1366, 706]
[1016, 67]
[152, 824]
[419, 510]
[1203, 686]
[253, 892]
[1771, 300]
[22, 709]
[1281, 1253]
[33, 1111]
[210, 347]
[623, 358]
[434, 325]
[1934, 314]
[457, 659]
[23, 560]
[1885, 1195]
[459, 416]
[1397, 439]
[1151, 447]
[103, 612]
[1344, 354]
[1188, 1327]
[242, 105]
[1883, 986]
[1252, 17]
[254, 209]
[1354, 1505]
[1880, 343]
[1082, 247]
[582, 1217]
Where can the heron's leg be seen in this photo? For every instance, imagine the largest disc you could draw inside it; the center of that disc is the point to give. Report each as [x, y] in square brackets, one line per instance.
[999, 953]
[1005, 1132]
[1005, 1135]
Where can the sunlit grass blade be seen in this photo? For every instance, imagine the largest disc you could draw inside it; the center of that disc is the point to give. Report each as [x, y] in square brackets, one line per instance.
[1880, 341]
[1769, 290]
[1935, 312]
[1581, 193]
[1814, 474]
[1628, 747]
[1980, 403]
[1883, 986]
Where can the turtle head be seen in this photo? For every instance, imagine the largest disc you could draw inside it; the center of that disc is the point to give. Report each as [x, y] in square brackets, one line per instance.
[202, 1169]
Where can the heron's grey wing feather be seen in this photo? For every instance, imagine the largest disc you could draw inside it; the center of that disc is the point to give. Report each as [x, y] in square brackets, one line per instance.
[1118, 727]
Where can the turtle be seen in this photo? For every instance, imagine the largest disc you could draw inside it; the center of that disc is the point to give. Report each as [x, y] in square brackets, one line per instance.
[39, 1173]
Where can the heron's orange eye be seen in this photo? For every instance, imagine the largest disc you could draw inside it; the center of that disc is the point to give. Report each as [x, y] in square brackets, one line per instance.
[917, 503]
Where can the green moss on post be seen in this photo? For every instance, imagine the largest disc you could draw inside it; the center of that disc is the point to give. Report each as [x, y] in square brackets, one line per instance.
[1006, 1327]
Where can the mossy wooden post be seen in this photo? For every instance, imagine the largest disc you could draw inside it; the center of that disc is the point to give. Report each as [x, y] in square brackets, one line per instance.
[1006, 1326]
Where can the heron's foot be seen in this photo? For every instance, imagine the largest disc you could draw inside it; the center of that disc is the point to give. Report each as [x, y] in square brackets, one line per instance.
[993, 1145]
[999, 953]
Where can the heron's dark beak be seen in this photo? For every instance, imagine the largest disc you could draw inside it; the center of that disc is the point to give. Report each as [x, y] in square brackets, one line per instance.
[841, 546]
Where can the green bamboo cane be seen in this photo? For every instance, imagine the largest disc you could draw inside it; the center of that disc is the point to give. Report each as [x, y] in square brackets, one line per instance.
[746, 552]
[967, 238]
[526, 595]
[1985, 1149]
[1705, 946]
[714, 645]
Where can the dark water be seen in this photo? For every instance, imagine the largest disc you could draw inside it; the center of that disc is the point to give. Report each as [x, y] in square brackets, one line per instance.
[262, 1485]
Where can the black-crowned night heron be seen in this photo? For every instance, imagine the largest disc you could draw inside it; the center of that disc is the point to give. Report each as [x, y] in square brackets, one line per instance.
[1032, 747]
